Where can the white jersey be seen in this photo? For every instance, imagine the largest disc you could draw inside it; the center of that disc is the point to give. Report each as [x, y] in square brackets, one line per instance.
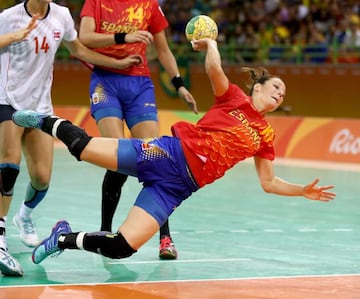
[26, 67]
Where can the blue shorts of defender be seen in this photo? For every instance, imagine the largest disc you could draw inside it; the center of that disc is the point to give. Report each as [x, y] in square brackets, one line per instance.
[160, 165]
[131, 98]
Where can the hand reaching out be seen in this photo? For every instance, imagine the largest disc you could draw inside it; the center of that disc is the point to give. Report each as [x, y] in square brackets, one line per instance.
[188, 98]
[314, 192]
[23, 33]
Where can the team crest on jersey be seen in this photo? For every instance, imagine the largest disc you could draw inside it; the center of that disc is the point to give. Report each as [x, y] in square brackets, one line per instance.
[98, 95]
[57, 34]
[146, 145]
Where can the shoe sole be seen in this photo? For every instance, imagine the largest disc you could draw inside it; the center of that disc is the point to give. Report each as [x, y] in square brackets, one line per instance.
[27, 119]
[167, 256]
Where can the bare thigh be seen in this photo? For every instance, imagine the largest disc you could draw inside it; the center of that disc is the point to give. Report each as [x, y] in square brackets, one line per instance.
[111, 127]
[114, 127]
[102, 151]
[145, 129]
[10, 142]
[138, 227]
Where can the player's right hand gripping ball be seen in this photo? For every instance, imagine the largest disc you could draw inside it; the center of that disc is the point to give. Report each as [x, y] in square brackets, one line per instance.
[201, 26]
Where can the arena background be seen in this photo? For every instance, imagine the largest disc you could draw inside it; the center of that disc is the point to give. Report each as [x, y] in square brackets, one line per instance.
[234, 241]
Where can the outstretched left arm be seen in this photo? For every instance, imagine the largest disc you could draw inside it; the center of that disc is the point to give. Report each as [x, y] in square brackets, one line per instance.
[272, 184]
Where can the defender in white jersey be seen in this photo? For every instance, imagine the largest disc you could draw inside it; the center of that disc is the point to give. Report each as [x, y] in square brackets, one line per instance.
[30, 34]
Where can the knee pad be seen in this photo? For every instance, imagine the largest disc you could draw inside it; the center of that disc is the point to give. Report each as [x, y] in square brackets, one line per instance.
[110, 245]
[79, 141]
[8, 175]
[73, 137]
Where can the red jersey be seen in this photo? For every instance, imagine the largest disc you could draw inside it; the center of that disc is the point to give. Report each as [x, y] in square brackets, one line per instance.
[231, 131]
[126, 16]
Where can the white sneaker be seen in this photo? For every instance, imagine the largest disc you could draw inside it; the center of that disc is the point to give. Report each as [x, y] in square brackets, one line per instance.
[3, 244]
[28, 234]
[9, 266]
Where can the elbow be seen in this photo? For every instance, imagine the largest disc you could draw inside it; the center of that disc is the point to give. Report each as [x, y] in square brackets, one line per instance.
[85, 39]
[266, 187]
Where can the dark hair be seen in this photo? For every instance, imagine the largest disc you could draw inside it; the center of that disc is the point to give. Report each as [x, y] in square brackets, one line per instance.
[257, 75]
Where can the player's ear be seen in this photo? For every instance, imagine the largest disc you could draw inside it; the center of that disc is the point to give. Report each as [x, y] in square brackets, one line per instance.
[256, 87]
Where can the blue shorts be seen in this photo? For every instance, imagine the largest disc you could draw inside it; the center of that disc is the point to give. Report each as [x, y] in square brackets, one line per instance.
[161, 166]
[131, 98]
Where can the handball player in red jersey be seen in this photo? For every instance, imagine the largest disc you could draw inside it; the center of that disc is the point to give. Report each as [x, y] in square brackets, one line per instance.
[119, 29]
[171, 168]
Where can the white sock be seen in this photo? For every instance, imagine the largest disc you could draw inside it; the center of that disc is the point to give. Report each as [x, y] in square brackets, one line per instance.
[3, 244]
[24, 211]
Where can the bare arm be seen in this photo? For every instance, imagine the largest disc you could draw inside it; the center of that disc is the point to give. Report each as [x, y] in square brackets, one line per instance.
[272, 184]
[78, 50]
[218, 80]
[16, 36]
[168, 61]
[92, 39]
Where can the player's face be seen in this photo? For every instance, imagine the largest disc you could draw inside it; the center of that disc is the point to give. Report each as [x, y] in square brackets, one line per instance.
[272, 93]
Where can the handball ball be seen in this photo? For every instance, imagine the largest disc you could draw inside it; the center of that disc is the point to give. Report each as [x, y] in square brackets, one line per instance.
[201, 26]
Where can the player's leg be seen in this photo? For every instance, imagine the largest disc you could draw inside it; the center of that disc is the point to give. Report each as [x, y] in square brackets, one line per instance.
[107, 110]
[38, 152]
[142, 119]
[99, 151]
[167, 249]
[10, 155]
[142, 223]
[137, 229]
[111, 126]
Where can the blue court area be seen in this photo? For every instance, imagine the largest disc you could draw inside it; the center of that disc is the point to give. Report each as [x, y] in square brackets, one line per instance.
[229, 230]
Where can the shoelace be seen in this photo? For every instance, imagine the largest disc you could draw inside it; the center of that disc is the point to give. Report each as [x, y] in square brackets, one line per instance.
[28, 226]
[8, 259]
[166, 242]
[52, 245]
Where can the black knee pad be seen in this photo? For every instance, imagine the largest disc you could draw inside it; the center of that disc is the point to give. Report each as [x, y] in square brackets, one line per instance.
[80, 141]
[110, 245]
[8, 175]
[74, 137]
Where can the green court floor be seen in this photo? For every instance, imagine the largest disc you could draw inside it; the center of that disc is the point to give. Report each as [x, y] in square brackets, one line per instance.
[231, 229]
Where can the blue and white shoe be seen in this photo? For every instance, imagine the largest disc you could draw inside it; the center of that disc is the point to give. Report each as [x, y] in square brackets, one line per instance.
[9, 266]
[28, 118]
[49, 246]
[28, 234]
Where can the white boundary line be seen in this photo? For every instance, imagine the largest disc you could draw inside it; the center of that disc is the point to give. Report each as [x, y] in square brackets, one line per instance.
[185, 280]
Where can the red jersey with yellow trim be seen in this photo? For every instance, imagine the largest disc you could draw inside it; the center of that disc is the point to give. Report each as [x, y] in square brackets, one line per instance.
[231, 131]
[126, 16]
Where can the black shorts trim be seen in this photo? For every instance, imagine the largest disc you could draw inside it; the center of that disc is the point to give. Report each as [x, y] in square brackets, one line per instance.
[6, 112]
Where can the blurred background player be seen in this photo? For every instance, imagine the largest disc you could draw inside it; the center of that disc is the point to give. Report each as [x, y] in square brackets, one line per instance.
[117, 29]
[26, 72]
